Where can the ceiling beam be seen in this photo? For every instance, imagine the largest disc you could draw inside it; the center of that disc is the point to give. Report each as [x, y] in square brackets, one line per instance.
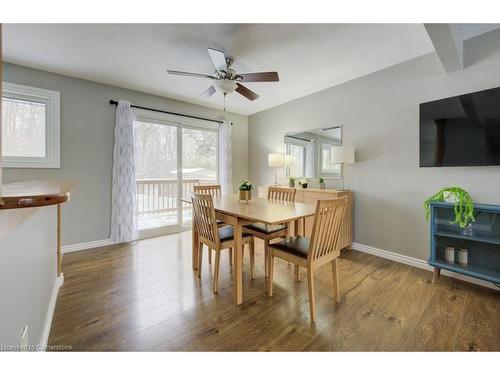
[448, 42]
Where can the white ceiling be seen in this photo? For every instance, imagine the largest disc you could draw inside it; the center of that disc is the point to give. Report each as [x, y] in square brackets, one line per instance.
[471, 30]
[308, 57]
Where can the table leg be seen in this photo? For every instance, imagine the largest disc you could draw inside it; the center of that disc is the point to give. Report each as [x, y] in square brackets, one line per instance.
[195, 246]
[238, 263]
[296, 227]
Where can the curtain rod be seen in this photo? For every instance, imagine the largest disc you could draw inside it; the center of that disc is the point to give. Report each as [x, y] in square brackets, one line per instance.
[114, 102]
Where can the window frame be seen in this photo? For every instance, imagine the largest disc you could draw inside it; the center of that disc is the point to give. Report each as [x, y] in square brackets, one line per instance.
[52, 100]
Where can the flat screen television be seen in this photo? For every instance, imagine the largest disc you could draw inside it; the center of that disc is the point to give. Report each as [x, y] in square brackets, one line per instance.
[461, 131]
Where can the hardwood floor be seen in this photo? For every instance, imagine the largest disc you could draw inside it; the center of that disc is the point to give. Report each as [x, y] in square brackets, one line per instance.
[146, 297]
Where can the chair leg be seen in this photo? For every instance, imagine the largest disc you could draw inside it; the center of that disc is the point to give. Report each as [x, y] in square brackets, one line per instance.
[270, 263]
[209, 256]
[266, 258]
[335, 274]
[297, 273]
[252, 259]
[216, 271]
[200, 257]
[312, 301]
[230, 256]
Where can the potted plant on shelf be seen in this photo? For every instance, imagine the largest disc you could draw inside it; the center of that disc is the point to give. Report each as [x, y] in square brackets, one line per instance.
[303, 183]
[321, 181]
[291, 181]
[464, 207]
[245, 190]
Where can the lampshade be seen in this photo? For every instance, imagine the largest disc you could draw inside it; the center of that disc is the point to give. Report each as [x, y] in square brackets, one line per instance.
[275, 160]
[342, 155]
[290, 160]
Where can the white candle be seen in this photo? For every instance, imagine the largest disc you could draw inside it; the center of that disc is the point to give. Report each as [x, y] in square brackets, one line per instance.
[449, 254]
[463, 256]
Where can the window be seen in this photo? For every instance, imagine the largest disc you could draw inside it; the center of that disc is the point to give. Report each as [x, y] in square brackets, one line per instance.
[327, 168]
[30, 127]
[170, 158]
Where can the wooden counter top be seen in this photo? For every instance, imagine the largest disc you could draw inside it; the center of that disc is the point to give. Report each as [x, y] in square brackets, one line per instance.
[35, 193]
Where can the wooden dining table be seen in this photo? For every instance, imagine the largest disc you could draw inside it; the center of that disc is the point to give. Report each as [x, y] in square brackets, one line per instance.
[238, 213]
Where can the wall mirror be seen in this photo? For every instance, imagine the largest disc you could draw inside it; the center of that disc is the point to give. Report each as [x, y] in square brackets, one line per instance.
[311, 153]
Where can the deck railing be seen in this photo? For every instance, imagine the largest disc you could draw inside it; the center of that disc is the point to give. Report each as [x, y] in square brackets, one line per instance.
[157, 196]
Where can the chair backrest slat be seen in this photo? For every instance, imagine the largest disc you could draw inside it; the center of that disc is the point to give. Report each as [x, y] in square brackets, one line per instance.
[204, 217]
[326, 228]
[213, 190]
[281, 193]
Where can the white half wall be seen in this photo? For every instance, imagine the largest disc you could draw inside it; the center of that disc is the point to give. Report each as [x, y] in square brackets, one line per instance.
[28, 281]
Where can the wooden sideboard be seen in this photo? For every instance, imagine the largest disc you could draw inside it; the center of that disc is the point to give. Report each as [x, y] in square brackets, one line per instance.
[311, 196]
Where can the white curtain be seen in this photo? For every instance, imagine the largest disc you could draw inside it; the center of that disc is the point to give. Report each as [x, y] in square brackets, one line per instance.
[311, 159]
[225, 158]
[123, 210]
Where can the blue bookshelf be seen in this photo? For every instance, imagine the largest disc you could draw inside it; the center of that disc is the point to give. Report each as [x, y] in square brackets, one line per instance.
[482, 241]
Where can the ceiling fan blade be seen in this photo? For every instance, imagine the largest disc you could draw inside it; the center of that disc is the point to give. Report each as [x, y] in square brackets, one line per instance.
[209, 92]
[259, 77]
[218, 58]
[198, 75]
[246, 92]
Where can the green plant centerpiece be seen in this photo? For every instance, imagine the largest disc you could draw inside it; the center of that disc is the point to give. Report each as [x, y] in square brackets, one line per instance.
[291, 181]
[464, 207]
[321, 182]
[245, 190]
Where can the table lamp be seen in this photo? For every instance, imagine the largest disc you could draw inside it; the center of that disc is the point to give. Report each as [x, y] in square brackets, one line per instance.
[275, 161]
[342, 155]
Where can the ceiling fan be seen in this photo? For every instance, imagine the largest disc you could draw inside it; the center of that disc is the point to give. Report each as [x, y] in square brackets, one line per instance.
[226, 79]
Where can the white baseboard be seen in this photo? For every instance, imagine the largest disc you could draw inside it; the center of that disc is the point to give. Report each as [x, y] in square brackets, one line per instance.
[419, 263]
[50, 313]
[86, 245]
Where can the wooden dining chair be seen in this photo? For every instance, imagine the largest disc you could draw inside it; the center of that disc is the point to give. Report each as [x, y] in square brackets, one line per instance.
[270, 232]
[215, 191]
[323, 248]
[214, 237]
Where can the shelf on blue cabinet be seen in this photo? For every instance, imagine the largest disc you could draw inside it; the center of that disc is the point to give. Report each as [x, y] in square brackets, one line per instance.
[486, 239]
[483, 273]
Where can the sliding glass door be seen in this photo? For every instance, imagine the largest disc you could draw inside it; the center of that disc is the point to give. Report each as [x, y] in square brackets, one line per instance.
[170, 158]
[199, 162]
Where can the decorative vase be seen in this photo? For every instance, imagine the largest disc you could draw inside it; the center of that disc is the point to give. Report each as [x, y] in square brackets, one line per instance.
[245, 195]
[291, 184]
[304, 186]
[322, 185]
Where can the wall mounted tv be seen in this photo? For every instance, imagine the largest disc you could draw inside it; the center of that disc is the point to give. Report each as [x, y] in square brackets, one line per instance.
[461, 131]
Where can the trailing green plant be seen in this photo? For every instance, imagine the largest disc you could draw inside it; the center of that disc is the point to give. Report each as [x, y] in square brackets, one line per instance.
[321, 180]
[464, 207]
[245, 185]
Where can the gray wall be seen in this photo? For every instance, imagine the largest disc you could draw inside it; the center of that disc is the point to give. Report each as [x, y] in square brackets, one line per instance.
[27, 273]
[380, 115]
[87, 122]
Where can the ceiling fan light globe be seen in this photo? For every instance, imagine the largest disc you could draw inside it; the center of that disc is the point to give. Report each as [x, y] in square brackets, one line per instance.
[225, 86]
